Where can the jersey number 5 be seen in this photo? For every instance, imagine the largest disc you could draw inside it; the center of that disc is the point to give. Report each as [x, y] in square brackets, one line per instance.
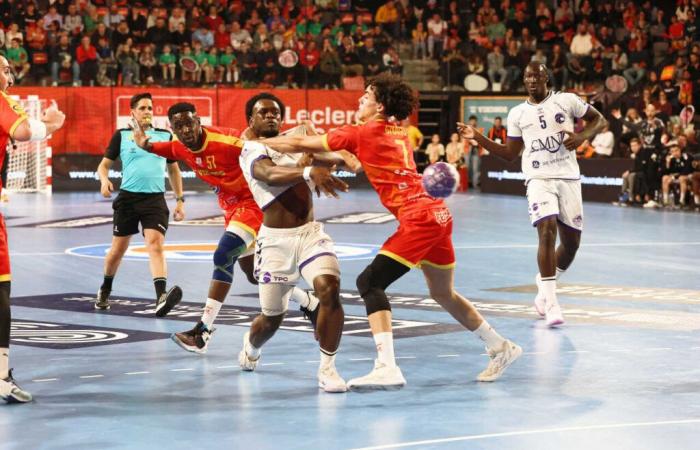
[211, 162]
[543, 124]
[401, 143]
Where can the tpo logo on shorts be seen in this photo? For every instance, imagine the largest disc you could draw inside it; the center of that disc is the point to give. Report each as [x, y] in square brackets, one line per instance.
[204, 251]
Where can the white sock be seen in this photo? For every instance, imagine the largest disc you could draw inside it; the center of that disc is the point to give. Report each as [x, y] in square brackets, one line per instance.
[4, 362]
[327, 358]
[211, 310]
[252, 352]
[385, 348]
[665, 199]
[491, 338]
[549, 289]
[559, 273]
[305, 299]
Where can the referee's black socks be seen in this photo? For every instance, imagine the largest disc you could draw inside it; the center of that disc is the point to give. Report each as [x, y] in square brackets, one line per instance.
[159, 283]
[107, 283]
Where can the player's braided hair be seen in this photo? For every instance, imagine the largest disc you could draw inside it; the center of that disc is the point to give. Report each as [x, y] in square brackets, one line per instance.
[250, 104]
[397, 96]
[181, 107]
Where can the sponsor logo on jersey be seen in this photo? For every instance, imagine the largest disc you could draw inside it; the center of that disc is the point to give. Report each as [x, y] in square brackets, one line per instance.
[66, 336]
[550, 143]
[204, 251]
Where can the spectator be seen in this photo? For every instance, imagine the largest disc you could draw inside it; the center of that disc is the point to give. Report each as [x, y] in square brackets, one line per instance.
[37, 37]
[371, 58]
[148, 64]
[167, 62]
[496, 30]
[248, 64]
[452, 67]
[435, 150]
[199, 54]
[415, 137]
[239, 35]
[120, 35]
[101, 32]
[437, 29]
[229, 66]
[564, 13]
[618, 60]
[177, 16]
[181, 37]
[53, 16]
[496, 62]
[330, 66]
[350, 60]
[112, 19]
[454, 151]
[677, 168]
[204, 36]
[418, 40]
[603, 143]
[62, 57]
[639, 60]
[106, 63]
[497, 133]
[73, 20]
[267, 64]
[473, 152]
[137, 24]
[392, 61]
[91, 19]
[388, 18]
[128, 58]
[86, 55]
[512, 62]
[19, 59]
[13, 33]
[309, 59]
[213, 20]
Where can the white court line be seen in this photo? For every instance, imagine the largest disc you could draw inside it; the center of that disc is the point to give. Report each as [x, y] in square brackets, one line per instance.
[447, 356]
[312, 361]
[361, 359]
[228, 367]
[137, 373]
[475, 437]
[181, 370]
[44, 380]
[595, 244]
[92, 376]
[577, 351]
[695, 348]
[404, 357]
[272, 364]
[655, 349]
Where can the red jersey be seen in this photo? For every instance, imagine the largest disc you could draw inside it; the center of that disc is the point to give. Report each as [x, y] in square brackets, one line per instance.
[11, 115]
[387, 160]
[216, 163]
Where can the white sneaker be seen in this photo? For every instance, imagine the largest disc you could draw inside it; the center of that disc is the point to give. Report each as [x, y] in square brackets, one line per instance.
[12, 393]
[500, 360]
[553, 314]
[247, 363]
[650, 204]
[382, 377]
[539, 298]
[330, 380]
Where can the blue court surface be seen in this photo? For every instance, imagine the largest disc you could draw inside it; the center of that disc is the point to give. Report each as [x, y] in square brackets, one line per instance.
[623, 373]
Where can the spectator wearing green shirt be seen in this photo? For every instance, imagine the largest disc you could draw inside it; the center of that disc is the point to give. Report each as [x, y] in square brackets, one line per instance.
[302, 27]
[18, 58]
[186, 75]
[359, 24]
[213, 69]
[229, 66]
[314, 28]
[201, 57]
[167, 64]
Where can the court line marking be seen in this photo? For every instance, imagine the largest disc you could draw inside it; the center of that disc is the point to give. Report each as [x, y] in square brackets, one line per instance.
[228, 367]
[272, 364]
[475, 437]
[91, 376]
[44, 380]
[182, 370]
[143, 372]
[447, 356]
[593, 244]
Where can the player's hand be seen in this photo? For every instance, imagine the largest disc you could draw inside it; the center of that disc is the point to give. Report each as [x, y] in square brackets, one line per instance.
[573, 141]
[179, 212]
[140, 137]
[309, 127]
[53, 116]
[351, 162]
[106, 188]
[466, 131]
[307, 159]
[327, 183]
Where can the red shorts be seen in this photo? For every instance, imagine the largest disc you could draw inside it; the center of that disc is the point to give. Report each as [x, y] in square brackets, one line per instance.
[245, 215]
[424, 237]
[4, 252]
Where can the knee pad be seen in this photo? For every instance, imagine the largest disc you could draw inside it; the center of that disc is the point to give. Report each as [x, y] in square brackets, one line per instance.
[372, 293]
[229, 248]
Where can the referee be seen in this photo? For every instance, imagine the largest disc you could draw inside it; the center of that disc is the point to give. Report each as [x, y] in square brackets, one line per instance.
[141, 199]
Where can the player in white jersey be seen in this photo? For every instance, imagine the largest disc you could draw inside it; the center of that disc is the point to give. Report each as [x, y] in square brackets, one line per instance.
[291, 245]
[542, 128]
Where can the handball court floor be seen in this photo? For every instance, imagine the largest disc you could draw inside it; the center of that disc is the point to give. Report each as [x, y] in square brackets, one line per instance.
[623, 373]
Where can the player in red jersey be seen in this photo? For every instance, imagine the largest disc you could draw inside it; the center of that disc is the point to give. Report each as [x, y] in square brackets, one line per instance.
[424, 236]
[15, 125]
[212, 153]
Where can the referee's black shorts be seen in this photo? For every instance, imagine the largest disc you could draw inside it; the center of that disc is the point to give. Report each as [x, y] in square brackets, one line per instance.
[132, 208]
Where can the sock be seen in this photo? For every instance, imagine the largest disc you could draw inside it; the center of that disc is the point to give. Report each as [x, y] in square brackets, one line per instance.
[327, 358]
[665, 199]
[305, 299]
[107, 283]
[697, 200]
[211, 310]
[385, 348]
[559, 273]
[491, 338]
[252, 352]
[4, 363]
[159, 283]
[549, 289]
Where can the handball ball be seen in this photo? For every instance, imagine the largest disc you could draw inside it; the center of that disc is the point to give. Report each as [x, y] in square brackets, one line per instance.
[440, 180]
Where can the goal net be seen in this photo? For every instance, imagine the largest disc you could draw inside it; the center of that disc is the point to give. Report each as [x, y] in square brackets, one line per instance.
[29, 163]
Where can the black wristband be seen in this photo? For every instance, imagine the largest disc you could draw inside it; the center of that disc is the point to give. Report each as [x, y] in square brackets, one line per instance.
[180, 199]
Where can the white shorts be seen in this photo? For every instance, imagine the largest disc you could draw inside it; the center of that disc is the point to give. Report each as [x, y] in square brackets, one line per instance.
[554, 197]
[283, 255]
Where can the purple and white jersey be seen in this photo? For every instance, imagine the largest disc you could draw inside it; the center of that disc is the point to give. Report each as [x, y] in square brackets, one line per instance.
[541, 128]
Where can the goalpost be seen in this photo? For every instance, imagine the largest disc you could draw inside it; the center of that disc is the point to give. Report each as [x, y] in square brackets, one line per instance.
[29, 163]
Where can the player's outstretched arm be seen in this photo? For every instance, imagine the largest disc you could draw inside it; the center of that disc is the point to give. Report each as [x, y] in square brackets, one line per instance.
[340, 158]
[37, 130]
[508, 151]
[296, 144]
[270, 173]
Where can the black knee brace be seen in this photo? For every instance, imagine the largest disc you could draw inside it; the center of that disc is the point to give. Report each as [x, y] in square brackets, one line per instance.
[373, 281]
[5, 317]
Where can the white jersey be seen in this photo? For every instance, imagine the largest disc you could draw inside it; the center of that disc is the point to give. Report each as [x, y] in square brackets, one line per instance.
[263, 193]
[541, 128]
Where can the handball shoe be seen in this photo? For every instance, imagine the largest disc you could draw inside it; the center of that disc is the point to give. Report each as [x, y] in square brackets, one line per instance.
[195, 340]
[330, 380]
[382, 377]
[247, 363]
[11, 392]
[168, 300]
[102, 300]
[500, 360]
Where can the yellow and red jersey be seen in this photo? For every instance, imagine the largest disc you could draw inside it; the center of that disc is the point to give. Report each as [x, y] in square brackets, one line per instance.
[11, 115]
[387, 159]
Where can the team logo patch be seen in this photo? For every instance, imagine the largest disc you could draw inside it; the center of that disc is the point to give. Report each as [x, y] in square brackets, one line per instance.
[535, 164]
[361, 217]
[228, 315]
[204, 251]
[66, 336]
[75, 222]
[559, 118]
[578, 220]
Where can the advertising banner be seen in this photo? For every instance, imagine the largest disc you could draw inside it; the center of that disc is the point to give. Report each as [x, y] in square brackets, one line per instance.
[487, 108]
